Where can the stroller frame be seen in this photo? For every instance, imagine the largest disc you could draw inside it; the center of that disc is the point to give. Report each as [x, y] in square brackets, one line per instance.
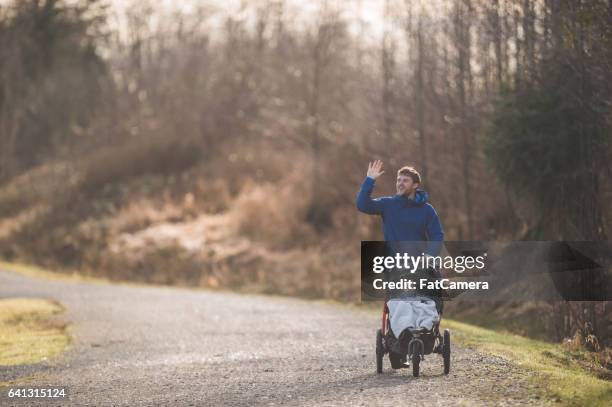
[422, 342]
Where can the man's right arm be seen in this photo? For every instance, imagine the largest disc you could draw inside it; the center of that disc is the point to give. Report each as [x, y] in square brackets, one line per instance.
[364, 201]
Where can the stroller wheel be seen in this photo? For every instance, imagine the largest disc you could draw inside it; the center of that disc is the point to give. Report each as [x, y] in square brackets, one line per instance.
[446, 351]
[416, 359]
[379, 352]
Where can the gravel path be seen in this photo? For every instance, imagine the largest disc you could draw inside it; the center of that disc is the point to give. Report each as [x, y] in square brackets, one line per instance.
[143, 345]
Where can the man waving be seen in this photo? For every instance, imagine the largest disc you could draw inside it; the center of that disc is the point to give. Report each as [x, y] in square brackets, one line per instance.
[406, 216]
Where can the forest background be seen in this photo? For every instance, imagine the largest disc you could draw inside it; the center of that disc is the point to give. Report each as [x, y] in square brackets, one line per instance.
[221, 144]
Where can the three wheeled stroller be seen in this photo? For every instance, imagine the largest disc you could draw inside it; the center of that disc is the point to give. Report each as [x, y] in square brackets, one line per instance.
[412, 344]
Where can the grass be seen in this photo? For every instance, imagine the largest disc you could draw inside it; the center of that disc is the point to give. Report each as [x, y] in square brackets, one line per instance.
[38, 272]
[28, 332]
[520, 318]
[558, 371]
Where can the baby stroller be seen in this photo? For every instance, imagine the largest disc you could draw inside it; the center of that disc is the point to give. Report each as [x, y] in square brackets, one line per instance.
[410, 330]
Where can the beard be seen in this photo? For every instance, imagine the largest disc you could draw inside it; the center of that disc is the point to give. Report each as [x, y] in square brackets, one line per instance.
[405, 191]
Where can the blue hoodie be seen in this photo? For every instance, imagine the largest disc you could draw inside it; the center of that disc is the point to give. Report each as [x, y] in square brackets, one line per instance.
[404, 219]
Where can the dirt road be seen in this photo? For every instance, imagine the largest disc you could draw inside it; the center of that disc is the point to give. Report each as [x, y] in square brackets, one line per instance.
[141, 345]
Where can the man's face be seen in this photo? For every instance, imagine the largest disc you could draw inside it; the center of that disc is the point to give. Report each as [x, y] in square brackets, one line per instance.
[405, 185]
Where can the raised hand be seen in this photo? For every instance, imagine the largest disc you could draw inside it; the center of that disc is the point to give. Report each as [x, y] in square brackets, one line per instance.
[375, 169]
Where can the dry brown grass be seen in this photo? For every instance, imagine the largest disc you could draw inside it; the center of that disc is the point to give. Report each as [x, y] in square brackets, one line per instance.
[125, 219]
[138, 157]
[36, 186]
[273, 214]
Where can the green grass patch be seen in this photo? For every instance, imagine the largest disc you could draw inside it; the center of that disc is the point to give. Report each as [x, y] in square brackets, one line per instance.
[559, 371]
[28, 331]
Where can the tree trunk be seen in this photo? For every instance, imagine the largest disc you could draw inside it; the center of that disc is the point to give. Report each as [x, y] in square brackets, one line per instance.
[420, 98]
[388, 63]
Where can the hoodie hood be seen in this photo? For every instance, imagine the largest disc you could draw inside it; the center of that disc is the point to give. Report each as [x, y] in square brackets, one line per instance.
[420, 198]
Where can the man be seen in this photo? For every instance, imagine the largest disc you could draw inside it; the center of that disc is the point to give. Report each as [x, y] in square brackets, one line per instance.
[406, 216]
[410, 225]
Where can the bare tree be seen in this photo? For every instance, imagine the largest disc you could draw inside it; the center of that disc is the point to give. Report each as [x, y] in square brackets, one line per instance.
[462, 19]
[324, 50]
[495, 19]
[387, 68]
[420, 94]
